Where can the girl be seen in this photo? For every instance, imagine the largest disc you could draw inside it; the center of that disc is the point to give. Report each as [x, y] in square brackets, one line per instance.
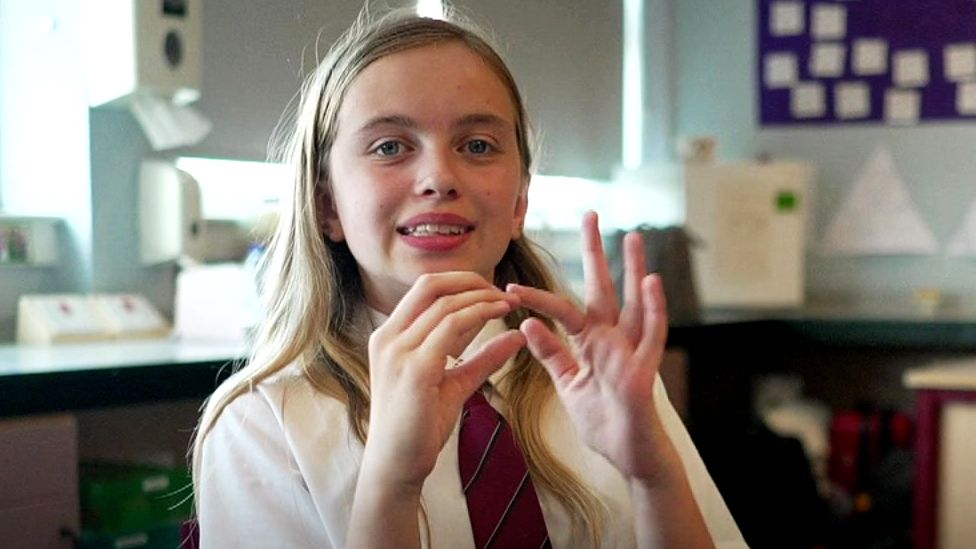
[401, 248]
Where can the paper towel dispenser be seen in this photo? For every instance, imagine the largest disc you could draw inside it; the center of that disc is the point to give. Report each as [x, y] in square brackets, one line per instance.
[142, 46]
[171, 224]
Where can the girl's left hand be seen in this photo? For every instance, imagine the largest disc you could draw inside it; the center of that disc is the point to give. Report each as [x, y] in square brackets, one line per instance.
[606, 376]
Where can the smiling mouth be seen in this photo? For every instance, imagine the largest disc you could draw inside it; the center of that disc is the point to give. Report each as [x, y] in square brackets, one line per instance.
[434, 229]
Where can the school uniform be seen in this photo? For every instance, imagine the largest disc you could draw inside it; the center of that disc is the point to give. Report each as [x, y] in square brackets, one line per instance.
[280, 466]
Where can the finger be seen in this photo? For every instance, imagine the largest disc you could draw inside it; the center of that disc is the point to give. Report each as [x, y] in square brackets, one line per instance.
[456, 330]
[559, 308]
[655, 329]
[429, 319]
[426, 289]
[551, 352]
[635, 268]
[600, 298]
[475, 369]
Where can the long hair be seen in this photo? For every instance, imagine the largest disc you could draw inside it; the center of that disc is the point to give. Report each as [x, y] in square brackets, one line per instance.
[312, 288]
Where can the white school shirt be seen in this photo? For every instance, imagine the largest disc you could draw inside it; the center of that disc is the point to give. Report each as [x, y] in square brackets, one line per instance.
[280, 466]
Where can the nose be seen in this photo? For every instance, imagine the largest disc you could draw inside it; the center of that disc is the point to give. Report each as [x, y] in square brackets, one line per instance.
[438, 177]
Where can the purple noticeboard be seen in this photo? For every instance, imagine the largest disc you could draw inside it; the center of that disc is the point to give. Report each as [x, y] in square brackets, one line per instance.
[866, 61]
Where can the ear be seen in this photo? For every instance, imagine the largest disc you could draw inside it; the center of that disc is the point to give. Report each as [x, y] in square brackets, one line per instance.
[521, 207]
[328, 216]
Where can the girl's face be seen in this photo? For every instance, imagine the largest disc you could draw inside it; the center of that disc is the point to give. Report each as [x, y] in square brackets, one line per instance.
[425, 174]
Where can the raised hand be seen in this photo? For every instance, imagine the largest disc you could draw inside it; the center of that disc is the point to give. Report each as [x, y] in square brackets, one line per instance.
[605, 376]
[415, 400]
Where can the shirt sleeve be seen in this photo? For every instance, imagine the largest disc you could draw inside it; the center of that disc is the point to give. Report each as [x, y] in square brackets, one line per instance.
[251, 493]
[722, 527]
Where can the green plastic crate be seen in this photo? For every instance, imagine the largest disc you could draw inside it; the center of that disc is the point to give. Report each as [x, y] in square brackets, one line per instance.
[160, 537]
[118, 497]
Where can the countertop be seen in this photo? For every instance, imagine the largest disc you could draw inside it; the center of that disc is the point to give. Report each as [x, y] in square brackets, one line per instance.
[956, 375]
[38, 379]
[40, 359]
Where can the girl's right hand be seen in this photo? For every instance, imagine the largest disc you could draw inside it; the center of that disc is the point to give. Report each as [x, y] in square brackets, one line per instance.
[415, 400]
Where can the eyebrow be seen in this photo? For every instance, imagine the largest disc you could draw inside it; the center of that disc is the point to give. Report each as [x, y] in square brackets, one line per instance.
[483, 119]
[388, 120]
[475, 119]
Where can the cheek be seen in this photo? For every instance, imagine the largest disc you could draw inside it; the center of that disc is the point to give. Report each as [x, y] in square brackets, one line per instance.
[371, 212]
[361, 197]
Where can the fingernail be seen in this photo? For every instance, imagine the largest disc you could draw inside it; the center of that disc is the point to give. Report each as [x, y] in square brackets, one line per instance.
[504, 304]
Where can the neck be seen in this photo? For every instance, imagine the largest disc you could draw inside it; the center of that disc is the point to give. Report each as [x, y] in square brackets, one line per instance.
[383, 298]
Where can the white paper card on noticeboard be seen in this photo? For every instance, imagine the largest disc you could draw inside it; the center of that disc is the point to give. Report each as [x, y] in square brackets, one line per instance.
[827, 59]
[910, 68]
[902, 107]
[807, 100]
[966, 98]
[829, 22]
[878, 216]
[869, 57]
[780, 70]
[786, 18]
[960, 62]
[852, 100]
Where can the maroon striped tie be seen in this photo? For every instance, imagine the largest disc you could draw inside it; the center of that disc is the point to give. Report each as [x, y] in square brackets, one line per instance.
[502, 503]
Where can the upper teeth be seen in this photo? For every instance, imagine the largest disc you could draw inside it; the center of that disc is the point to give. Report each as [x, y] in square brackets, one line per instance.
[430, 228]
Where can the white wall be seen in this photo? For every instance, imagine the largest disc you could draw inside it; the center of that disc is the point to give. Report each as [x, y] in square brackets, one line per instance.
[567, 57]
[716, 94]
[254, 56]
[82, 164]
[44, 163]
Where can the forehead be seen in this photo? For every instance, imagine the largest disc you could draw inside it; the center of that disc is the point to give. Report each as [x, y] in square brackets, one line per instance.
[437, 82]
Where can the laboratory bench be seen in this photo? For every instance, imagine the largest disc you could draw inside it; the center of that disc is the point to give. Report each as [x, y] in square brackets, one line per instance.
[66, 377]
[850, 360]
[844, 357]
[723, 346]
[61, 405]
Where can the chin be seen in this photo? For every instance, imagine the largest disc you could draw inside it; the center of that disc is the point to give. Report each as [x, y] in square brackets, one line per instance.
[433, 269]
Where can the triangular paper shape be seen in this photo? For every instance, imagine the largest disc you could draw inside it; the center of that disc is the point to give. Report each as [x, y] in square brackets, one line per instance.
[964, 241]
[878, 216]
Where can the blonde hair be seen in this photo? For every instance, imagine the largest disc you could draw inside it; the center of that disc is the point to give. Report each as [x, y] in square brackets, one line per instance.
[312, 287]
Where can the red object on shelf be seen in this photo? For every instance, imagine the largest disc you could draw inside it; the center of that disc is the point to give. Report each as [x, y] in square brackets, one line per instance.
[859, 441]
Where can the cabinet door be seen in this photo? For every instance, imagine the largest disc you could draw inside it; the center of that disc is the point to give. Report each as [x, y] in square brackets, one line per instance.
[38, 482]
[957, 499]
[46, 525]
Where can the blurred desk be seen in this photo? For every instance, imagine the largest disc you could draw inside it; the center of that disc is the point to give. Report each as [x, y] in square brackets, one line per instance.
[840, 350]
[38, 379]
[888, 323]
[843, 356]
[722, 350]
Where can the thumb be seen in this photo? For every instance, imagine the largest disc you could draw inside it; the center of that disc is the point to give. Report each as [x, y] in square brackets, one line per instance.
[472, 373]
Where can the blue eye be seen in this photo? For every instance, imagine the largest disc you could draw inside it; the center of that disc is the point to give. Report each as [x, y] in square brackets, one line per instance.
[389, 148]
[478, 146]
